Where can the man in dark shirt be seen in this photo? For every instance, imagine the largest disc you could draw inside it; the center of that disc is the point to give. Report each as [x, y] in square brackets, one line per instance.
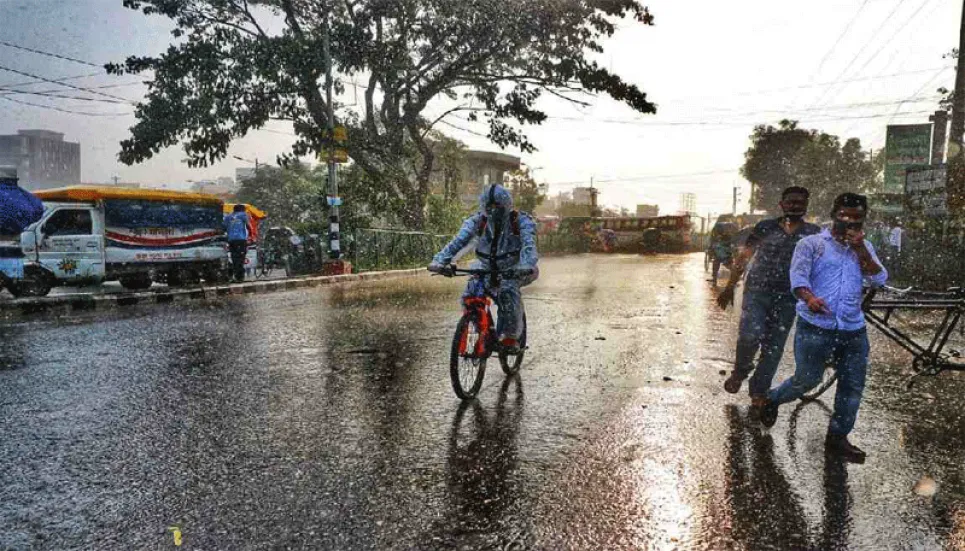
[767, 312]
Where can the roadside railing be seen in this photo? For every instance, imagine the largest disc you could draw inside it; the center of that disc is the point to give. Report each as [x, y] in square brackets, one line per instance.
[380, 249]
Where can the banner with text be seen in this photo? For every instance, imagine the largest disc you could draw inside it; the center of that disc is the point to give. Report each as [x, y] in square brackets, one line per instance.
[906, 146]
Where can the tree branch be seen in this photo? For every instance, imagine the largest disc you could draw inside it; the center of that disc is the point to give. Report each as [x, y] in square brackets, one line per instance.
[317, 105]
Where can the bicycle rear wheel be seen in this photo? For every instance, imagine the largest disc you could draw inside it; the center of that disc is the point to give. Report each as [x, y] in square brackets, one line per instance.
[827, 381]
[466, 367]
[512, 362]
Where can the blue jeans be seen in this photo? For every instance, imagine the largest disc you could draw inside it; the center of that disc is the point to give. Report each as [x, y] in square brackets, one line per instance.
[766, 320]
[813, 346]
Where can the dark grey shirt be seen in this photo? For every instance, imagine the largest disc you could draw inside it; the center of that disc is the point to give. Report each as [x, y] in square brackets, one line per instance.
[773, 249]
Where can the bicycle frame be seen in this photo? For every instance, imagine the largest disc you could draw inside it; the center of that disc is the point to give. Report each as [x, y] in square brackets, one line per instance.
[933, 358]
[487, 343]
[480, 307]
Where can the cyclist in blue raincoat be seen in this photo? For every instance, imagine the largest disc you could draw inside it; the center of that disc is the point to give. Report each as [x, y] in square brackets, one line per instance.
[515, 249]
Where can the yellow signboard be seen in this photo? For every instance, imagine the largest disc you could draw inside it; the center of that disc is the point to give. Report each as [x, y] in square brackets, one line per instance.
[340, 136]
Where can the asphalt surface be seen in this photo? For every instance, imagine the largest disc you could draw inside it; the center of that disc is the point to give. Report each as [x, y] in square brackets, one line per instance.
[324, 419]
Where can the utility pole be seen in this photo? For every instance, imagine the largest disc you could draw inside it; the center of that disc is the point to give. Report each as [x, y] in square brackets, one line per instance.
[734, 210]
[956, 155]
[337, 266]
[940, 118]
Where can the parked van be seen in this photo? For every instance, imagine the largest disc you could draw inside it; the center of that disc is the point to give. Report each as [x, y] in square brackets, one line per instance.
[91, 234]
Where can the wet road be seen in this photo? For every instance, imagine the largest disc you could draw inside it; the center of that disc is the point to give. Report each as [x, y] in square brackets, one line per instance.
[324, 419]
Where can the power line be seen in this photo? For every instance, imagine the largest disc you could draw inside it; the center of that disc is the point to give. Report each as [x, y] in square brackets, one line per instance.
[860, 51]
[70, 111]
[80, 88]
[841, 36]
[898, 30]
[645, 177]
[918, 91]
[719, 123]
[48, 54]
[826, 108]
[56, 80]
[9, 89]
[60, 96]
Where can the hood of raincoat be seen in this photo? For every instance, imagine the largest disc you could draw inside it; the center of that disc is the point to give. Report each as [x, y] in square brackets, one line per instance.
[18, 207]
[495, 199]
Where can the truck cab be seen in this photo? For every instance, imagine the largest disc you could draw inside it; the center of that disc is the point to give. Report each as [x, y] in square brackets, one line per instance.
[67, 243]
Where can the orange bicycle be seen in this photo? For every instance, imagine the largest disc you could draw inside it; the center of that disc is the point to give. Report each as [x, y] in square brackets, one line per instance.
[475, 339]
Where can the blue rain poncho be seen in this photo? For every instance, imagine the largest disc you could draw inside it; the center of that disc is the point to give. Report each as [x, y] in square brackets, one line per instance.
[18, 207]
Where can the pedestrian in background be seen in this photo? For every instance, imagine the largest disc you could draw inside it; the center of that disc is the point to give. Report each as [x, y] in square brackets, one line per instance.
[895, 238]
[767, 311]
[236, 225]
[827, 272]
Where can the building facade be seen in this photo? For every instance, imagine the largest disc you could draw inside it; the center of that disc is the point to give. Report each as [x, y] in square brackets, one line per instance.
[42, 157]
[484, 168]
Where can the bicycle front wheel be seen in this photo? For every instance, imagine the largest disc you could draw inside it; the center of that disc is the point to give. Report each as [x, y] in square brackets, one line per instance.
[827, 381]
[466, 365]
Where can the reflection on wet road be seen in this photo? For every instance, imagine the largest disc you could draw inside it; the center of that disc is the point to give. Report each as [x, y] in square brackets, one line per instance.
[323, 419]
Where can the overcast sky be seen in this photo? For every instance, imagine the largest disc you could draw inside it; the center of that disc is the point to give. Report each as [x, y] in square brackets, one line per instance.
[715, 69]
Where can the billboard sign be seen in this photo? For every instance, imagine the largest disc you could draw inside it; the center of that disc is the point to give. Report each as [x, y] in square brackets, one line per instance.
[906, 146]
[925, 190]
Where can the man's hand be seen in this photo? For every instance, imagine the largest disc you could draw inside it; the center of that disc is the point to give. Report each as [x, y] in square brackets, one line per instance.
[855, 239]
[817, 305]
[441, 269]
[524, 272]
[725, 297]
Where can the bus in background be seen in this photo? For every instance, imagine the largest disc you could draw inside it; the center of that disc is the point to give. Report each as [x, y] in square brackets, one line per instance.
[659, 234]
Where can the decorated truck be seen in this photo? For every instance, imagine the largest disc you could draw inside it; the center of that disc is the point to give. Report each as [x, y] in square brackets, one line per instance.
[91, 234]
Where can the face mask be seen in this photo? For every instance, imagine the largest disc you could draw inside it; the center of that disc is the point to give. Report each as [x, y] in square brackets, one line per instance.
[794, 216]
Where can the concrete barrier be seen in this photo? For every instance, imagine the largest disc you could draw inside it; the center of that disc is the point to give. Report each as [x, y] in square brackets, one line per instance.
[83, 302]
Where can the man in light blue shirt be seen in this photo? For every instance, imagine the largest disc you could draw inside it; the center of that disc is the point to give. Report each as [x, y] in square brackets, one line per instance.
[236, 225]
[827, 273]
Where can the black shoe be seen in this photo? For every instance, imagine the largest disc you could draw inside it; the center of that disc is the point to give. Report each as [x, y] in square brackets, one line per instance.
[769, 414]
[733, 383]
[838, 445]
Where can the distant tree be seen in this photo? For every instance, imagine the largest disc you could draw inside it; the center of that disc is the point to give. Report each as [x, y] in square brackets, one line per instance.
[768, 163]
[527, 194]
[445, 216]
[790, 156]
[237, 64]
[451, 164]
[294, 196]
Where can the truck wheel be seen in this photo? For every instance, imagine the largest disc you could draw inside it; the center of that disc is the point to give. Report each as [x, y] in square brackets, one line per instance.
[36, 283]
[176, 278]
[136, 282]
[215, 276]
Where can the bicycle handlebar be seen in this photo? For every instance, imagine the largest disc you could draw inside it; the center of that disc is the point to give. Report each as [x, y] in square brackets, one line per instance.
[510, 273]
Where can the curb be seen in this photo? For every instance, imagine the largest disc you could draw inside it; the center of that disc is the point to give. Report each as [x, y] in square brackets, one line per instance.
[83, 302]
